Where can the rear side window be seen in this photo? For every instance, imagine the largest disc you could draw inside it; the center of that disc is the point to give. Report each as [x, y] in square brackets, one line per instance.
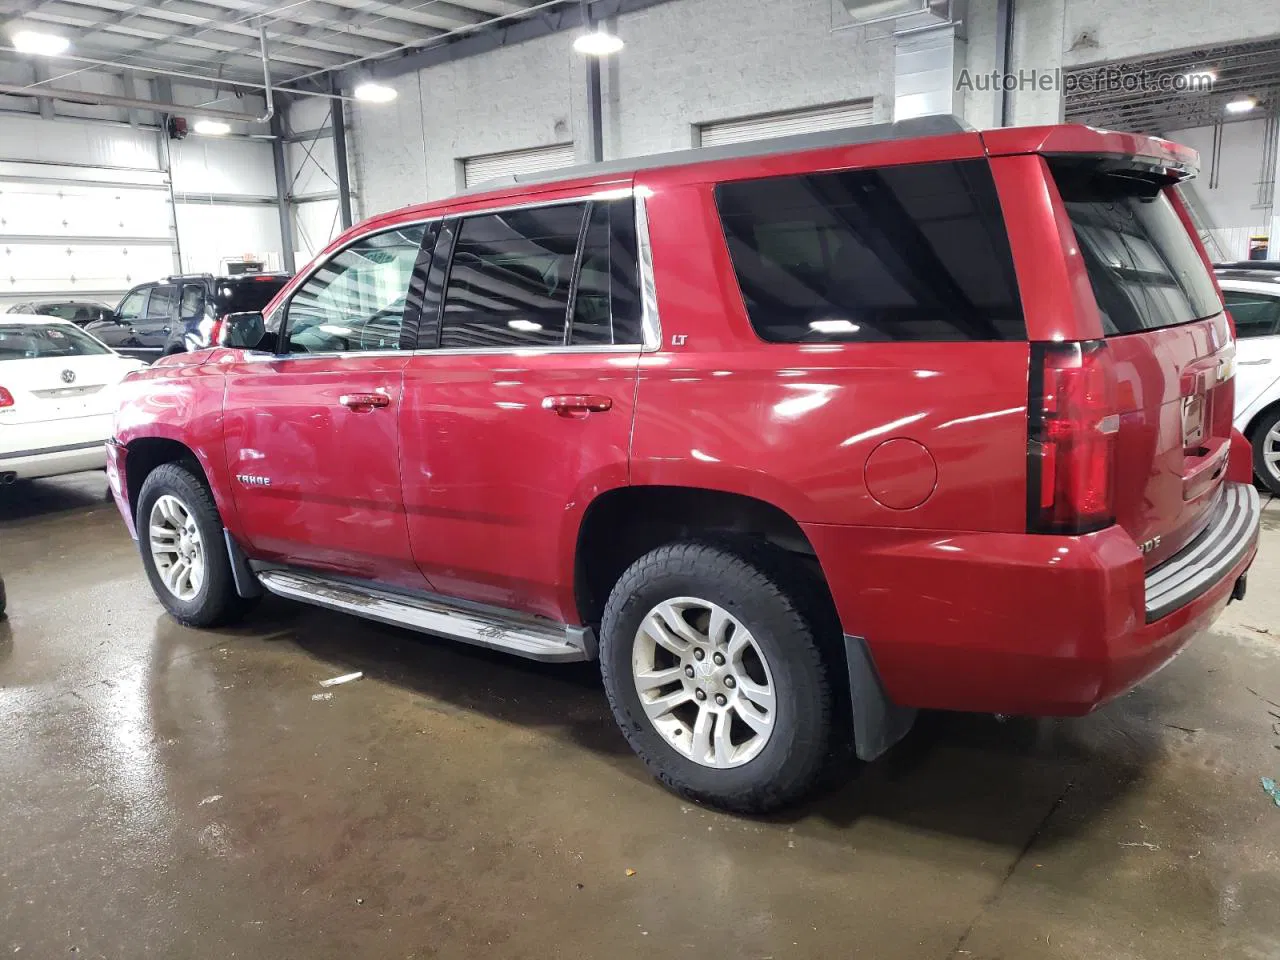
[247, 296]
[915, 252]
[1145, 270]
[1255, 314]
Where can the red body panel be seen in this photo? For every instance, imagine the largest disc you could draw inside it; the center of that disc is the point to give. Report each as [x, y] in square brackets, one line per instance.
[904, 463]
[495, 484]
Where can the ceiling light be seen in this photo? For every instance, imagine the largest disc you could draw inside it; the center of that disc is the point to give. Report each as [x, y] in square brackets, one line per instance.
[1243, 105]
[212, 128]
[375, 92]
[599, 43]
[45, 44]
[1200, 78]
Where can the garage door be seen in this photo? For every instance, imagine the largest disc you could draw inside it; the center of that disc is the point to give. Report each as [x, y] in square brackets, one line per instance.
[499, 166]
[856, 114]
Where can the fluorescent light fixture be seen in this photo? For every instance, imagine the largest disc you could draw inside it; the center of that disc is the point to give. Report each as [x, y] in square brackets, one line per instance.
[525, 326]
[598, 43]
[212, 128]
[44, 44]
[834, 326]
[375, 92]
[1200, 77]
[1243, 105]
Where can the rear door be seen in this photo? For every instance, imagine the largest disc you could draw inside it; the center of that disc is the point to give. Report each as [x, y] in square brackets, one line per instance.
[1256, 312]
[311, 433]
[1169, 340]
[518, 404]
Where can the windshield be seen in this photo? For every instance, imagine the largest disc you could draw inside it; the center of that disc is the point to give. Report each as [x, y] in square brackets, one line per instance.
[34, 341]
[1145, 270]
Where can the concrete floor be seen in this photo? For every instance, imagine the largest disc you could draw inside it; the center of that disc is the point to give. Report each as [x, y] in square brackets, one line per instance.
[172, 793]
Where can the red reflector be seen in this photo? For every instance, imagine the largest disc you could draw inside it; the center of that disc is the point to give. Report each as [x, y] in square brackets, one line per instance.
[6, 398]
[1073, 427]
[216, 332]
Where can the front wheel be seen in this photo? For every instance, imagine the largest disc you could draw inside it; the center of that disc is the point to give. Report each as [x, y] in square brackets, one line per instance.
[1266, 451]
[714, 672]
[183, 551]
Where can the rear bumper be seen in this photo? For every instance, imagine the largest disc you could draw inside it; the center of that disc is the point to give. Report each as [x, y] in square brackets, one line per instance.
[1018, 623]
[54, 461]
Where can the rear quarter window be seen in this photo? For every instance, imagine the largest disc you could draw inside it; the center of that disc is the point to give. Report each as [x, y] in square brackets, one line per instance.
[1144, 267]
[916, 252]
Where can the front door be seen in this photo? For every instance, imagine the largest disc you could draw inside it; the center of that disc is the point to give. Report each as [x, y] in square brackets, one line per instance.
[517, 412]
[118, 332]
[311, 431]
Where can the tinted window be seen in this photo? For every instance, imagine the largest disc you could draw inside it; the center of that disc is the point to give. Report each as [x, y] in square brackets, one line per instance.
[356, 301]
[510, 278]
[247, 296]
[1255, 314]
[30, 341]
[606, 306]
[191, 303]
[1144, 267]
[901, 253]
[161, 304]
[132, 305]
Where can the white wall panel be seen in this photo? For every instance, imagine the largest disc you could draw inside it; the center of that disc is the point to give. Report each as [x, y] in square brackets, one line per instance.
[315, 224]
[314, 172]
[211, 233]
[205, 165]
[54, 141]
[84, 269]
[82, 210]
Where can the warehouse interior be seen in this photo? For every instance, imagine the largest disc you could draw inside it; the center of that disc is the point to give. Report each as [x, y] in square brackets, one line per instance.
[172, 791]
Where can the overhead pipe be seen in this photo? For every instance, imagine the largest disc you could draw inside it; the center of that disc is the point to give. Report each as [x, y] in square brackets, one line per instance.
[131, 103]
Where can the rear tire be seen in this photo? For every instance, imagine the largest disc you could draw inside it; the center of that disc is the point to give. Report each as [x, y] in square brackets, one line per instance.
[1266, 451]
[723, 639]
[183, 550]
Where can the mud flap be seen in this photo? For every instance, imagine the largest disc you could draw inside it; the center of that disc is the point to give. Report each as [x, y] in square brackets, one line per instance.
[878, 722]
[246, 581]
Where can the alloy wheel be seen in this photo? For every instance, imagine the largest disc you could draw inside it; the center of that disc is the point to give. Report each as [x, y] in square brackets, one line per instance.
[176, 547]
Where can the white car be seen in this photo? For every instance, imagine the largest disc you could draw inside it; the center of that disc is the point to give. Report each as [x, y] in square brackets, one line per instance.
[57, 397]
[1252, 296]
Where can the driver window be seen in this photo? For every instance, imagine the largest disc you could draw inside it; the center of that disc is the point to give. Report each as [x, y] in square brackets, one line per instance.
[132, 305]
[355, 302]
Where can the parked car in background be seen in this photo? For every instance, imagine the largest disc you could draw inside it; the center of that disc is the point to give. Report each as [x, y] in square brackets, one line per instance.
[794, 436]
[79, 312]
[57, 397]
[1252, 294]
[182, 313]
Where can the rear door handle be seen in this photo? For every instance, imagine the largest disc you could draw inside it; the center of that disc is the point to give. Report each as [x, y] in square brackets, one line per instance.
[364, 401]
[576, 404]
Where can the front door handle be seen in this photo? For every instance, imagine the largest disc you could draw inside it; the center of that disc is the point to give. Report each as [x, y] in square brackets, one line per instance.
[1254, 363]
[576, 405]
[364, 401]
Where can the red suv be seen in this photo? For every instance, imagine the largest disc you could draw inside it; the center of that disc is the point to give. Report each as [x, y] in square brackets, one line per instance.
[795, 437]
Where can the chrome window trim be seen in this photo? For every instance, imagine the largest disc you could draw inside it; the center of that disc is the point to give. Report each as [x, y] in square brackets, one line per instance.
[650, 322]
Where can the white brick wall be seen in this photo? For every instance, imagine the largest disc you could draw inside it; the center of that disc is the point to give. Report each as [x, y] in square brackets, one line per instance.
[688, 62]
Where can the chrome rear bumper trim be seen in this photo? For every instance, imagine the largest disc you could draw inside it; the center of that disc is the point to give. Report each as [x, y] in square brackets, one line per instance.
[1231, 532]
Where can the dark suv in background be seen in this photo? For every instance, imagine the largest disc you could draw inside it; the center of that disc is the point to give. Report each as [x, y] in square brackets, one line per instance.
[180, 313]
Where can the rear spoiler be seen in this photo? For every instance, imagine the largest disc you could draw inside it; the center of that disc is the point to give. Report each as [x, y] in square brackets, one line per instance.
[1171, 160]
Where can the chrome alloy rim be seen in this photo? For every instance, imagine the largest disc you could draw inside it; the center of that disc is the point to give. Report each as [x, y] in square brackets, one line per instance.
[1271, 451]
[176, 547]
[704, 682]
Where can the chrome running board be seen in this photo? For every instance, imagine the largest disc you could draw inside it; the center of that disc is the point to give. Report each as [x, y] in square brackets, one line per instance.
[525, 636]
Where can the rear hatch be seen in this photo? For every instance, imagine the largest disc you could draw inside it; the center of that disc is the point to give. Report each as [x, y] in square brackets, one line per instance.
[55, 372]
[1170, 346]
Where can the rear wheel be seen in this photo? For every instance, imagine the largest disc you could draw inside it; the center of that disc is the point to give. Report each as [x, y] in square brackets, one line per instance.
[714, 673]
[183, 551]
[1266, 451]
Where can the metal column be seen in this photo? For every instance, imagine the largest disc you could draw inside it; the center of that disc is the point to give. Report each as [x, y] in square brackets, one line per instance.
[283, 204]
[595, 114]
[338, 122]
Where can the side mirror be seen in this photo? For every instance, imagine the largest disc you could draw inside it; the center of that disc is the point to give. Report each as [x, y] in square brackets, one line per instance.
[243, 331]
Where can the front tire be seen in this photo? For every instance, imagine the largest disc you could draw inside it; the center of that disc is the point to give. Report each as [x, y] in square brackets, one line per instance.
[1266, 451]
[183, 551]
[713, 669]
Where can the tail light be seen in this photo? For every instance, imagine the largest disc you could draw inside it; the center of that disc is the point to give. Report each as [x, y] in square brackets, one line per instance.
[6, 398]
[217, 331]
[1072, 428]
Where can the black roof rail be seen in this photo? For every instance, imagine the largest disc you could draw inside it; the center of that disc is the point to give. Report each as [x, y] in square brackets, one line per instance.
[917, 127]
[1253, 266]
[190, 276]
